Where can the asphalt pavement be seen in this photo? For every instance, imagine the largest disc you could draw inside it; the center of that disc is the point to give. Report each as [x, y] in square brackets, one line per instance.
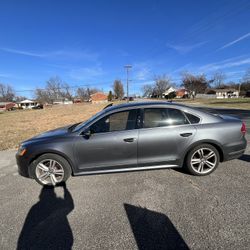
[160, 209]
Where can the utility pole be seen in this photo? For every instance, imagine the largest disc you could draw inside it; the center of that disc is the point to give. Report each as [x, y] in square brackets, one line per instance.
[127, 67]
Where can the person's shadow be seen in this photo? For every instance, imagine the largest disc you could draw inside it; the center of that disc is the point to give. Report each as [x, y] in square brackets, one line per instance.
[46, 225]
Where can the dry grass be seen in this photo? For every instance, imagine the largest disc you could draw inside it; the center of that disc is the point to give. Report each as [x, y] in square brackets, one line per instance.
[20, 125]
[241, 103]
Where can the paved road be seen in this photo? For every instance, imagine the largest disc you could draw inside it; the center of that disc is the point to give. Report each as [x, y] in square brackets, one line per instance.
[162, 209]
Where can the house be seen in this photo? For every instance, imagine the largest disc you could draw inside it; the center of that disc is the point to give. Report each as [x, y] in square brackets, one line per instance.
[6, 106]
[27, 104]
[226, 93]
[99, 97]
[168, 91]
[182, 93]
[62, 101]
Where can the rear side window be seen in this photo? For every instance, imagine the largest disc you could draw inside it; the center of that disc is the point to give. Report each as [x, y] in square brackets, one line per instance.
[161, 117]
[192, 118]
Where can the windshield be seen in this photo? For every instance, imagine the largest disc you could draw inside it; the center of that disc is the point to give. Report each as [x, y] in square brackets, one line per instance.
[82, 124]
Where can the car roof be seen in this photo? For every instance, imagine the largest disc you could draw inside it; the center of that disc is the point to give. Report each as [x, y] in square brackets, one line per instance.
[141, 104]
[205, 116]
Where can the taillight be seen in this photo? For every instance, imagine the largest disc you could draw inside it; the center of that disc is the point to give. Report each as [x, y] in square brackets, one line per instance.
[243, 128]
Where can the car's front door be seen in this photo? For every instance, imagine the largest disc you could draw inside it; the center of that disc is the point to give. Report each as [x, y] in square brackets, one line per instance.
[112, 143]
[165, 134]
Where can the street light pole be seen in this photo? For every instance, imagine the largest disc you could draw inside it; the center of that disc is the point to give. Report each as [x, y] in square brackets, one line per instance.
[127, 67]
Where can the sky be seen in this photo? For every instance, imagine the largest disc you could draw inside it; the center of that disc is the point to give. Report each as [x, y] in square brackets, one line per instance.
[87, 43]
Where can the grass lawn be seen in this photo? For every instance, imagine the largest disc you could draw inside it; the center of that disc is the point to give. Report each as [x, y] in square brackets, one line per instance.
[20, 125]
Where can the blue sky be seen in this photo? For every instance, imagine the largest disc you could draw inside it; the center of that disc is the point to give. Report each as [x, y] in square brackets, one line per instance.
[89, 42]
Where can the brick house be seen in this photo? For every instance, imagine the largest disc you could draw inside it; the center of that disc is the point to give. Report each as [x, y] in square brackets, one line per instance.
[99, 97]
[6, 106]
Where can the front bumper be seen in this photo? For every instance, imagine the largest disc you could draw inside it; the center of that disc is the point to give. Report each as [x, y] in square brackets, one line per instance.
[23, 165]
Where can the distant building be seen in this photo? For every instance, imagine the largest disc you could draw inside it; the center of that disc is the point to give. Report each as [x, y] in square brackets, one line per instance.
[6, 106]
[62, 101]
[168, 91]
[99, 97]
[226, 93]
[27, 104]
[182, 93]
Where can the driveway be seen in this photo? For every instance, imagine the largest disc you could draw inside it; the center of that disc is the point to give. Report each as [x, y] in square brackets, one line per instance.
[161, 209]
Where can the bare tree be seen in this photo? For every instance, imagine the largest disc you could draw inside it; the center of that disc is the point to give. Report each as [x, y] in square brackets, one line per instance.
[66, 92]
[118, 89]
[218, 79]
[245, 83]
[195, 84]
[83, 94]
[42, 96]
[20, 98]
[148, 90]
[7, 93]
[162, 83]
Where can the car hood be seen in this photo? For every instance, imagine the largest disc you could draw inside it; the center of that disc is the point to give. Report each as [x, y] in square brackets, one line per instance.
[50, 134]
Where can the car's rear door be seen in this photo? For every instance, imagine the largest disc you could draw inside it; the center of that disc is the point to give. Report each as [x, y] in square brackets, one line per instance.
[165, 134]
[112, 144]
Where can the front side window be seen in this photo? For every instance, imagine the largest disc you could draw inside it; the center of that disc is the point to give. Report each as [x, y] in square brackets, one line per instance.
[124, 120]
[161, 117]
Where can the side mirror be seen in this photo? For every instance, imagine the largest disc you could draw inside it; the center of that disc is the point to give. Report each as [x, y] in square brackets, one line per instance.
[86, 133]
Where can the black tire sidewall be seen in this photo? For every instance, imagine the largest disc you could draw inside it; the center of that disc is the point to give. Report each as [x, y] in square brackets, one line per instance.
[64, 163]
[188, 160]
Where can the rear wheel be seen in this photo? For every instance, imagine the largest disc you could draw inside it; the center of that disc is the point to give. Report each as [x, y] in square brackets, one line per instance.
[202, 160]
[50, 169]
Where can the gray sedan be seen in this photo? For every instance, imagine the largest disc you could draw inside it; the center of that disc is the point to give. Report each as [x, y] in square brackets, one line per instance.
[135, 136]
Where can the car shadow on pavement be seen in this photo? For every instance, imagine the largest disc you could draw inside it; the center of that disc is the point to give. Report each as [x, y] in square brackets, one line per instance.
[245, 158]
[153, 230]
[46, 225]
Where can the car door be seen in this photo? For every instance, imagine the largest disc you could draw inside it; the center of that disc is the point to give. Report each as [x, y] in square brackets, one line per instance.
[112, 143]
[165, 134]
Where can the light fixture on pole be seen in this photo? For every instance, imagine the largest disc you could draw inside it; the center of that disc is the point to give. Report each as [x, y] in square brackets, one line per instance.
[127, 67]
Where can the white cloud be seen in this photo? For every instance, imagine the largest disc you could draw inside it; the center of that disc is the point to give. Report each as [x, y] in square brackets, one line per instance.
[183, 49]
[141, 71]
[228, 63]
[61, 54]
[235, 41]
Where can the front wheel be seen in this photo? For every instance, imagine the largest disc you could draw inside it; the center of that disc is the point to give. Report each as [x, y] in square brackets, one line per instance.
[50, 169]
[202, 160]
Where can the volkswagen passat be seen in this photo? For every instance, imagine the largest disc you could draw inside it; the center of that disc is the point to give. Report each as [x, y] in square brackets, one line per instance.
[135, 136]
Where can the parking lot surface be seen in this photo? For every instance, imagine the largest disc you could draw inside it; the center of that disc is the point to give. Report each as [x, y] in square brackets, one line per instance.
[161, 209]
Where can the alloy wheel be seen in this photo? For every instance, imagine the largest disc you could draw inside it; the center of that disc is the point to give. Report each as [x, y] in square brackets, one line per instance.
[203, 160]
[49, 172]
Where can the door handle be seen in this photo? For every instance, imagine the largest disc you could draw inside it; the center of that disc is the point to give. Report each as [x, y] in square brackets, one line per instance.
[129, 139]
[186, 134]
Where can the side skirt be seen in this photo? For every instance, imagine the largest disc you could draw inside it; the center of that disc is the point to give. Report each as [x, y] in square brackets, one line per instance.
[121, 170]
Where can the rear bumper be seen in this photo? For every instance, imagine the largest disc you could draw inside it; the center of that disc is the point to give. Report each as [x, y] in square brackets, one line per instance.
[234, 155]
[235, 151]
[22, 164]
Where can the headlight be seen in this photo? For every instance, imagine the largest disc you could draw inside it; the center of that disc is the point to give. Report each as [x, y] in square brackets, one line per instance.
[21, 150]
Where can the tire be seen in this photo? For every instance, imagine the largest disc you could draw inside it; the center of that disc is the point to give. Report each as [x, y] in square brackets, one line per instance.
[50, 170]
[202, 160]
